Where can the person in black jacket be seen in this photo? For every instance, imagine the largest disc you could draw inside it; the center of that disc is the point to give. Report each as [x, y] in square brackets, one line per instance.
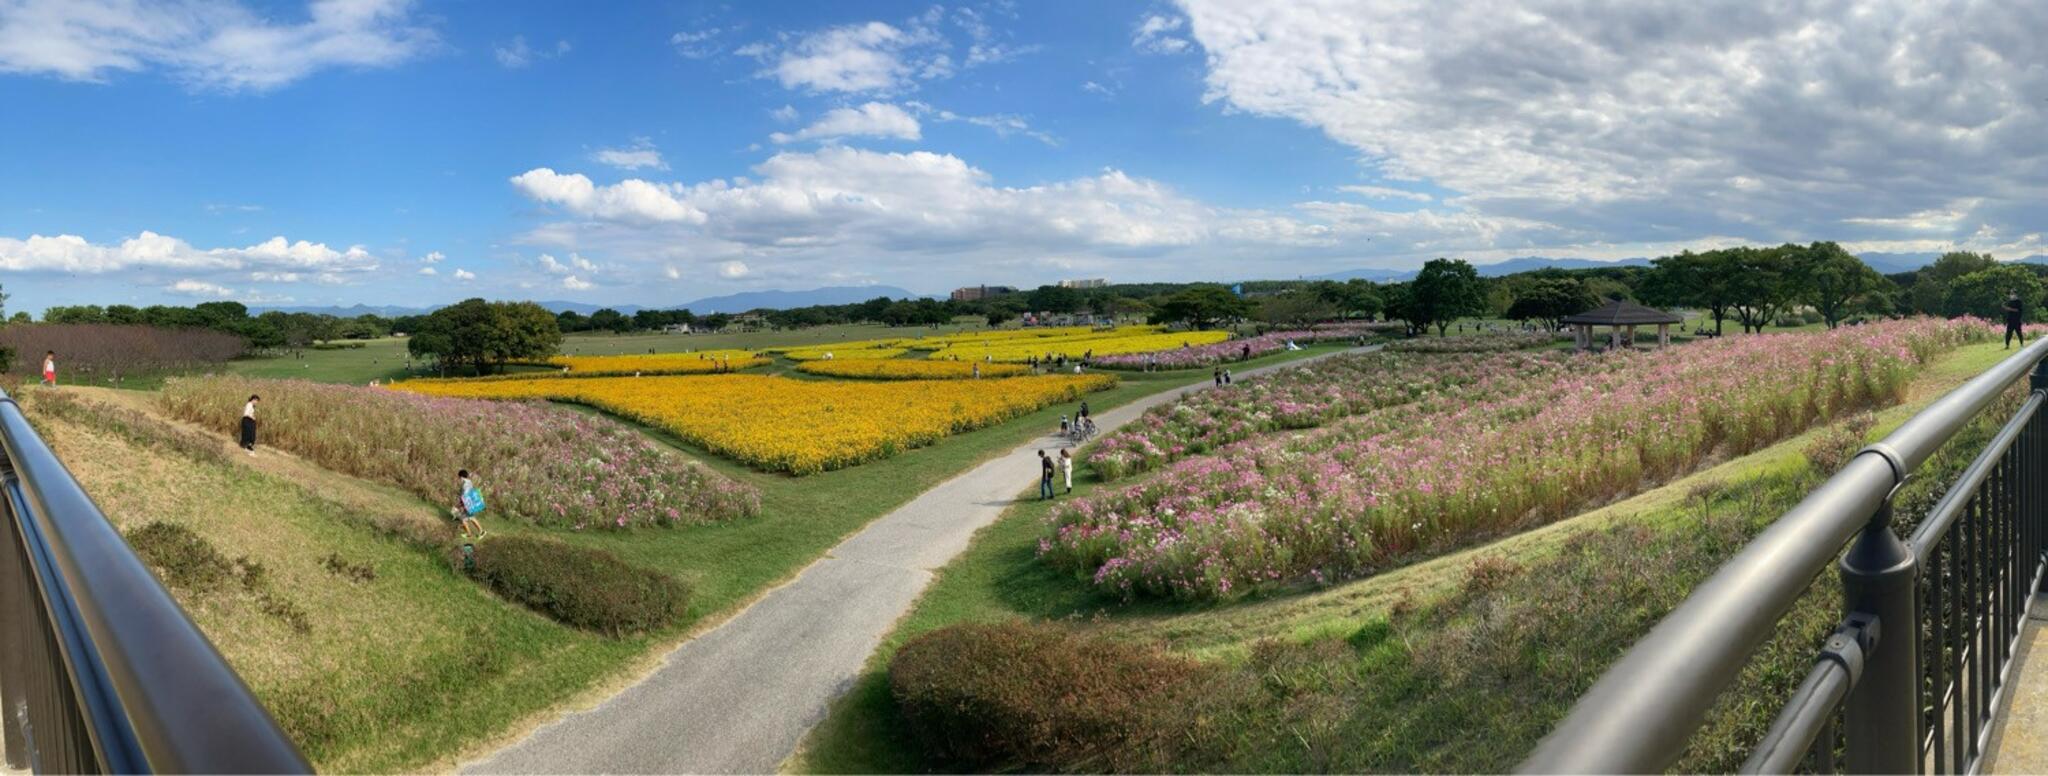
[2013, 315]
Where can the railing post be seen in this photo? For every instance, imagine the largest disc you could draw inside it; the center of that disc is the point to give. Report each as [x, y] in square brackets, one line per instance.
[15, 632]
[1882, 714]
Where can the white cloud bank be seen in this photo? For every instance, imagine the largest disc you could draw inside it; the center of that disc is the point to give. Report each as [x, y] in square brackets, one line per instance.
[874, 119]
[68, 253]
[210, 44]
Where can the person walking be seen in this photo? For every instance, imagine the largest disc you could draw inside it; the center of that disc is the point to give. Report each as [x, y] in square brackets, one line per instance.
[1084, 409]
[469, 502]
[50, 369]
[1226, 377]
[1219, 376]
[249, 424]
[1044, 476]
[1246, 354]
[1067, 468]
[1063, 425]
[2013, 315]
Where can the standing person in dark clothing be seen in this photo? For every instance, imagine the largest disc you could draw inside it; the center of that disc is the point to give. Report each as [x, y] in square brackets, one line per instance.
[1045, 468]
[1246, 354]
[249, 424]
[2013, 316]
[1219, 375]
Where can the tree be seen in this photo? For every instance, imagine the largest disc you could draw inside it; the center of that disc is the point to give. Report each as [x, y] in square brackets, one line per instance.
[1296, 309]
[1929, 293]
[1830, 279]
[1982, 293]
[1054, 299]
[21, 317]
[1355, 297]
[1759, 285]
[1444, 291]
[1550, 299]
[1201, 306]
[608, 319]
[1696, 280]
[484, 334]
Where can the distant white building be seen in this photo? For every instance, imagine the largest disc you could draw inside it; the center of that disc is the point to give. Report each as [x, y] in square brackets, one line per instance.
[1084, 283]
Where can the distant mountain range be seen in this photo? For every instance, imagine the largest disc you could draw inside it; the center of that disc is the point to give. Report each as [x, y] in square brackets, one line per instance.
[784, 300]
[730, 303]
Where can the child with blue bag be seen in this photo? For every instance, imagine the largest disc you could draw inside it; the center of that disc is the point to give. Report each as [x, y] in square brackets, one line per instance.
[468, 505]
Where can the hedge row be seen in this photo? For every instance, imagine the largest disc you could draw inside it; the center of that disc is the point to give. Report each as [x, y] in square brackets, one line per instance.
[578, 586]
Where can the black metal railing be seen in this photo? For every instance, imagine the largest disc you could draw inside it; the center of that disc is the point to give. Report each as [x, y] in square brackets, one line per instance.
[100, 671]
[1911, 678]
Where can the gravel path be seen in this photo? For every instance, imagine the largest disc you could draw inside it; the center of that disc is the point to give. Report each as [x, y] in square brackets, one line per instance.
[740, 697]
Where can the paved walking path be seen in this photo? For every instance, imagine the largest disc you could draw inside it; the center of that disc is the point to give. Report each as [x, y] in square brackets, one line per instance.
[739, 698]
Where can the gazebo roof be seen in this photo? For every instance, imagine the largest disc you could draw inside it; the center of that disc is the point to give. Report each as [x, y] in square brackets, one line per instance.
[1622, 313]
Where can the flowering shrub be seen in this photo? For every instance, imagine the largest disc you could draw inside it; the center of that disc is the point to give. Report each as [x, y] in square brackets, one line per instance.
[1476, 343]
[1374, 489]
[1306, 397]
[536, 463]
[796, 426]
[906, 369]
[1219, 352]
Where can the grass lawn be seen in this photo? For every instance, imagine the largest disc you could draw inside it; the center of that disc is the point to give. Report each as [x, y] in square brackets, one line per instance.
[999, 578]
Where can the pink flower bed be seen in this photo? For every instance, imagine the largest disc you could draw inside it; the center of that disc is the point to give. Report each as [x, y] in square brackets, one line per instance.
[1232, 350]
[542, 464]
[1374, 490]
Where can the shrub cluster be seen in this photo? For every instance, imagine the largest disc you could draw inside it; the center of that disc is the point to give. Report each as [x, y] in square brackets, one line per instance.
[187, 561]
[93, 352]
[1042, 697]
[578, 586]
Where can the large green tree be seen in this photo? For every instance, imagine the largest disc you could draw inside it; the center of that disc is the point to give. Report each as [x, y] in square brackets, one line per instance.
[1983, 293]
[1758, 282]
[1697, 280]
[1830, 279]
[1444, 291]
[1929, 294]
[486, 335]
[1201, 306]
[1297, 308]
[1549, 299]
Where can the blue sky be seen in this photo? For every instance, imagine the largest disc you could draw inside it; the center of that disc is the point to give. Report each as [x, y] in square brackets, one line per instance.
[653, 153]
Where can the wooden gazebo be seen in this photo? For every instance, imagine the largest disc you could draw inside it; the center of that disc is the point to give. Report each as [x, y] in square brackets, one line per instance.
[1622, 317]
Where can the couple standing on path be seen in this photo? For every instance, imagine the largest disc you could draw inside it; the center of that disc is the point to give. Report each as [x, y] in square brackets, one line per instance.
[1064, 462]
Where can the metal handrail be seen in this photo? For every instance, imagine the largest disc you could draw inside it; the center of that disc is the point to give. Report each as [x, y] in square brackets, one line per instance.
[141, 682]
[1640, 715]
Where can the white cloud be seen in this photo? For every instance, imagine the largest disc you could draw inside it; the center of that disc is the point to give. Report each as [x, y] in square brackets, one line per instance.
[733, 270]
[517, 54]
[641, 155]
[1386, 192]
[1663, 120]
[149, 250]
[576, 263]
[463, 274]
[631, 199]
[274, 277]
[853, 58]
[573, 283]
[785, 114]
[698, 44]
[429, 271]
[432, 257]
[1158, 34]
[200, 289]
[1096, 88]
[874, 119]
[210, 44]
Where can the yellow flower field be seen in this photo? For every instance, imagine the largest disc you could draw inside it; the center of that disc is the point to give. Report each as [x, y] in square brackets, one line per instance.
[1103, 344]
[699, 362]
[841, 353]
[907, 369]
[796, 426]
[1006, 336]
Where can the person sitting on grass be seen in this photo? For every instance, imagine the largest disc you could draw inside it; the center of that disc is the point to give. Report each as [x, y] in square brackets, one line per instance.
[468, 504]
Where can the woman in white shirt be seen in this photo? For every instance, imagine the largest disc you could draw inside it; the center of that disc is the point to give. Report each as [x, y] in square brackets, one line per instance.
[249, 424]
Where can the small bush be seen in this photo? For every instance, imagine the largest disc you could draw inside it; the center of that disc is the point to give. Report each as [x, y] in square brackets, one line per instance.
[579, 586]
[1041, 697]
[184, 559]
[1832, 448]
[347, 569]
